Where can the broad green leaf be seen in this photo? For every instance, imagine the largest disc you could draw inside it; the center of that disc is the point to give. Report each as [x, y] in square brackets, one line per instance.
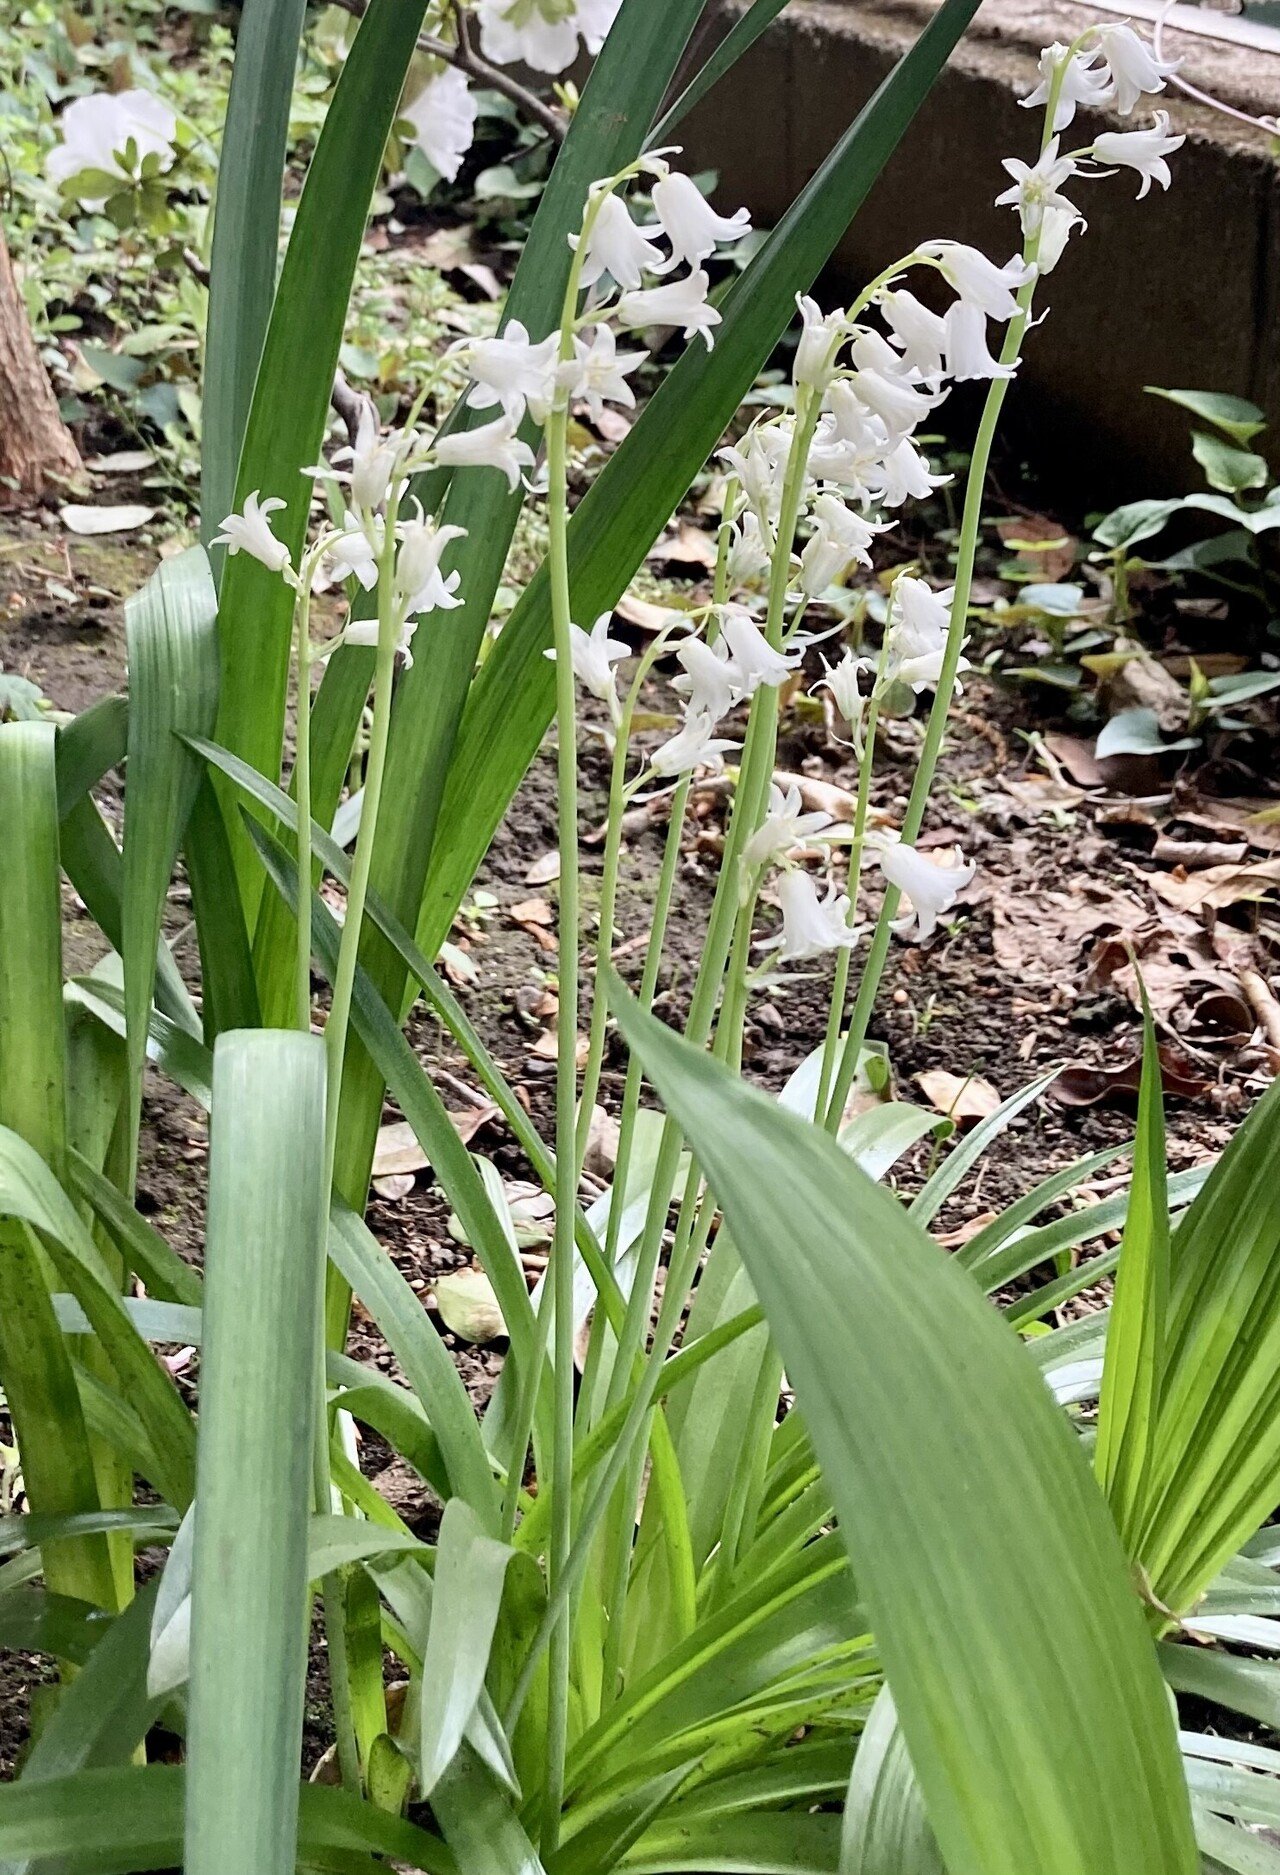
[30, 1193]
[87, 747]
[166, 1276]
[1131, 1380]
[386, 1295]
[119, 1822]
[885, 1829]
[791, 1843]
[1225, 467]
[470, 1571]
[299, 353]
[1134, 522]
[173, 690]
[35, 1366]
[1137, 731]
[976, 1497]
[246, 237]
[258, 1400]
[1240, 419]
[479, 1821]
[1215, 1467]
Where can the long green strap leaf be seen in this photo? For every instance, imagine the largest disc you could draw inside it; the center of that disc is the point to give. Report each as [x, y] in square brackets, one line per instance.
[258, 1399]
[173, 690]
[641, 486]
[1034, 1714]
[246, 237]
[1135, 1353]
[286, 424]
[116, 1822]
[35, 1366]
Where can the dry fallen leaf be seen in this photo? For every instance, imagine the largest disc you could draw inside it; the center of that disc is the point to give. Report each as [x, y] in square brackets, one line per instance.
[691, 547]
[1083, 1085]
[468, 1307]
[643, 614]
[547, 1045]
[121, 462]
[965, 1099]
[395, 1186]
[1077, 757]
[544, 871]
[398, 1150]
[115, 520]
[602, 1144]
[532, 911]
[1217, 886]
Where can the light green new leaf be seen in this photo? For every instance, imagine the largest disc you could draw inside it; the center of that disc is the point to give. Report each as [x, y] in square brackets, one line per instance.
[35, 1367]
[118, 1822]
[1131, 1375]
[471, 1568]
[1214, 1471]
[886, 1831]
[958, 1486]
[173, 689]
[258, 1398]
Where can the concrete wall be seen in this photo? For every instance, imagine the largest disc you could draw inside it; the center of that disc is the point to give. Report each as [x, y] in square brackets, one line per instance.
[1181, 290]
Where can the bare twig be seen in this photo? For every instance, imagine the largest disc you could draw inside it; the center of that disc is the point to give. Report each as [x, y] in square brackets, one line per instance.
[349, 404]
[465, 57]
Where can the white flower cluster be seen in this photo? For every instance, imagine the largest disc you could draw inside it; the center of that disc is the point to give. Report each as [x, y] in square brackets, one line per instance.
[542, 34]
[615, 255]
[373, 473]
[1110, 66]
[110, 134]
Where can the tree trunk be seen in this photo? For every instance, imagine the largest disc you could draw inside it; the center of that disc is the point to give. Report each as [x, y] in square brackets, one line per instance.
[35, 444]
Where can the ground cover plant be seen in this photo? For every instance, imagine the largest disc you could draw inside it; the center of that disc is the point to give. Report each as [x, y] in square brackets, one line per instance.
[792, 1536]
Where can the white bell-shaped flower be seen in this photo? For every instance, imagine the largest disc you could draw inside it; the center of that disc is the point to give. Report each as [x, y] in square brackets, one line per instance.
[811, 926]
[1141, 150]
[906, 476]
[420, 585]
[840, 537]
[931, 888]
[598, 372]
[489, 446]
[898, 405]
[967, 352]
[784, 826]
[843, 681]
[443, 116]
[1037, 186]
[542, 34]
[712, 682]
[919, 332]
[979, 280]
[1083, 83]
[593, 655]
[513, 372]
[748, 555]
[1134, 68]
[353, 554]
[250, 532]
[754, 657]
[691, 224]
[820, 338]
[682, 303]
[617, 247]
[696, 745]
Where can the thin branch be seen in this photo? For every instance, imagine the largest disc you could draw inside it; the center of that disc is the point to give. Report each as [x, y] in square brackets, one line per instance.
[466, 59]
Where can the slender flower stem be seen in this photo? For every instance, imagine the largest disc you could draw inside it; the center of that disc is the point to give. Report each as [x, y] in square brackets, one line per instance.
[344, 979]
[302, 791]
[966, 555]
[835, 1015]
[609, 896]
